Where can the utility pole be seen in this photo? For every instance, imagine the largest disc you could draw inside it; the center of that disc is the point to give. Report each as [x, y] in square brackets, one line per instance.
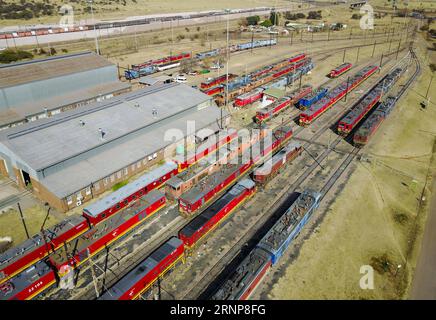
[328, 35]
[343, 58]
[381, 62]
[346, 92]
[429, 85]
[227, 67]
[22, 220]
[373, 49]
[95, 30]
[398, 50]
[358, 51]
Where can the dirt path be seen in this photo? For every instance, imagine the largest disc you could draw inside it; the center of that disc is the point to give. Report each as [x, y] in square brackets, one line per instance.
[424, 283]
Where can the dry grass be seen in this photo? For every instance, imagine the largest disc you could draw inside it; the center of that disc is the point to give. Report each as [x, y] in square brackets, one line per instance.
[374, 220]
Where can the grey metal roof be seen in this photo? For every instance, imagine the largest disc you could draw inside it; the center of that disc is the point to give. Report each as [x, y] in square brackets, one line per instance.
[72, 157]
[20, 112]
[40, 69]
[50, 141]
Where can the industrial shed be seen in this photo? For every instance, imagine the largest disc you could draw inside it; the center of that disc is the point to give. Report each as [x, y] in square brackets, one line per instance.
[73, 156]
[40, 88]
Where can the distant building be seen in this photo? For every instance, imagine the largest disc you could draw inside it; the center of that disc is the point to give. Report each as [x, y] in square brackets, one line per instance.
[40, 88]
[76, 155]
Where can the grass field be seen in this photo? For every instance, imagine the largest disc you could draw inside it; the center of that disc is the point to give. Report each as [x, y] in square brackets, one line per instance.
[376, 219]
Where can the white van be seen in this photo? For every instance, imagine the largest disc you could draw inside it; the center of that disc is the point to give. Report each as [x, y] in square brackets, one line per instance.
[181, 78]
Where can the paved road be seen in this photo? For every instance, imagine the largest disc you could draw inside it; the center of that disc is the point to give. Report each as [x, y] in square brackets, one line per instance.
[89, 34]
[424, 282]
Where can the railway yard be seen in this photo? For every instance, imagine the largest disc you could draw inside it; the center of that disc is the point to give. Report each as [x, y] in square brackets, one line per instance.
[335, 174]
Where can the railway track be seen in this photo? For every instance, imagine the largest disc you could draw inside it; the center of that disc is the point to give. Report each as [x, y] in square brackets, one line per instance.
[131, 261]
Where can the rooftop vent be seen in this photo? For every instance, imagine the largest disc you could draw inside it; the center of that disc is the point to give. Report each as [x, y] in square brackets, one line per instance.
[137, 104]
[154, 112]
[82, 123]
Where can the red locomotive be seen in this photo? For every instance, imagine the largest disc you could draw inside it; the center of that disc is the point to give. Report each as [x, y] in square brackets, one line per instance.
[147, 272]
[335, 95]
[212, 144]
[249, 98]
[214, 91]
[336, 72]
[105, 233]
[215, 81]
[28, 283]
[39, 246]
[270, 169]
[211, 218]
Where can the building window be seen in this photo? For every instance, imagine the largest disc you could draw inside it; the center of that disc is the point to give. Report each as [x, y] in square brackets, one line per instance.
[97, 186]
[126, 171]
[144, 162]
[79, 195]
[88, 191]
[150, 158]
[154, 155]
[133, 167]
[69, 200]
[138, 164]
[112, 178]
[106, 181]
[119, 173]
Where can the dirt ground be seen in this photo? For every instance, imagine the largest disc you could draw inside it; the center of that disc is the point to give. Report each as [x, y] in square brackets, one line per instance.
[376, 219]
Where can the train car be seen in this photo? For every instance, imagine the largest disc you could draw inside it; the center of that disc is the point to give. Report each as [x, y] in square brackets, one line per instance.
[207, 54]
[211, 218]
[216, 81]
[336, 72]
[312, 98]
[214, 91]
[147, 272]
[19, 258]
[186, 179]
[117, 200]
[210, 145]
[166, 66]
[359, 110]
[280, 236]
[209, 188]
[334, 95]
[370, 125]
[263, 174]
[29, 283]
[248, 98]
[297, 57]
[244, 280]
[367, 103]
[105, 233]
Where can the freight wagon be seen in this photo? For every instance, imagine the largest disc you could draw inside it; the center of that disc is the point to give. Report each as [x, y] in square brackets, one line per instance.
[241, 283]
[147, 272]
[358, 112]
[19, 258]
[271, 168]
[244, 280]
[334, 95]
[281, 104]
[29, 283]
[105, 233]
[312, 98]
[278, 239]
[167, 66]
[336, 72]
[370, 125]
[211, 218]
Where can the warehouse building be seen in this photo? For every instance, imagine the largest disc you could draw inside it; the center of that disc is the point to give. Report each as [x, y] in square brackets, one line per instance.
[40, 88]
[74, 156]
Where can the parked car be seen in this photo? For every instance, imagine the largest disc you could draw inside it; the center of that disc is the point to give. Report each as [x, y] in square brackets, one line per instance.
[193, 73]
[181, 78]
